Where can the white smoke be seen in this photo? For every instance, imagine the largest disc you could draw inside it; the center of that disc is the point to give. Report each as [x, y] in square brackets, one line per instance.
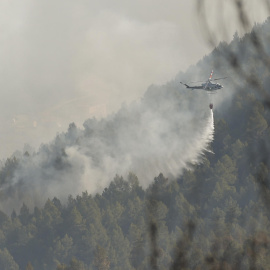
[164, 132]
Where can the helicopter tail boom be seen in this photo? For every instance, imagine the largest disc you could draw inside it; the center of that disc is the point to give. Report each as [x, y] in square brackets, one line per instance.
[187, 86]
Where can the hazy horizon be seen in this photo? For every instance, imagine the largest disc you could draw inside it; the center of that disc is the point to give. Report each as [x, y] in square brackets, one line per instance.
[67, 62]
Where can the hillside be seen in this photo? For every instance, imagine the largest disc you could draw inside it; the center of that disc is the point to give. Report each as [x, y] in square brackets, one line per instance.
[212, 214]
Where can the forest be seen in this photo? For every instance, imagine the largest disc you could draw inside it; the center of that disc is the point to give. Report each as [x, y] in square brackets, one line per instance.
[215, 215]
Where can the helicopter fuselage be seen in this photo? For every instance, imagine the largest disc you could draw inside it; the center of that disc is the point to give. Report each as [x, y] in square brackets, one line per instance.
[208, 85]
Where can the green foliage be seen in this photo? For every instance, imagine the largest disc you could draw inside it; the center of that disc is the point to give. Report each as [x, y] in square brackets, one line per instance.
[62, 249]
[6, 261]
[101, 261]
[7, 171]
[29, 266]
[24, 214]
[73, 265]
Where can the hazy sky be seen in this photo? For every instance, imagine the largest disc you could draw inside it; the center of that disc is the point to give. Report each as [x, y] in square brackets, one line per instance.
[66, 61]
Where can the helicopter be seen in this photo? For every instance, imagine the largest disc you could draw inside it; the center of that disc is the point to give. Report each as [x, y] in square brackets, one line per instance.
[208, 85]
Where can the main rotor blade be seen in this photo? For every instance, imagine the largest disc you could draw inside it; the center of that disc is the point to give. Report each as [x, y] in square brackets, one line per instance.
[219, 79]
[196, 82]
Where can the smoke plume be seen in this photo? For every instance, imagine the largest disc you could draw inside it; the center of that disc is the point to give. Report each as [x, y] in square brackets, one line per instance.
[166, 131]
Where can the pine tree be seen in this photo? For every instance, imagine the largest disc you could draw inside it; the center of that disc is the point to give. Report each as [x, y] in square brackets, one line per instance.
[101, 261]
[29, 266]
